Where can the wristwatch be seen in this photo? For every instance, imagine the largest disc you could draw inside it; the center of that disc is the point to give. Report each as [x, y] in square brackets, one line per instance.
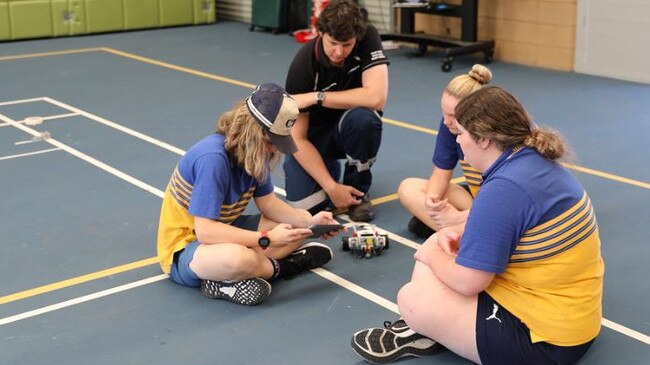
[264, 241]
[320, 97]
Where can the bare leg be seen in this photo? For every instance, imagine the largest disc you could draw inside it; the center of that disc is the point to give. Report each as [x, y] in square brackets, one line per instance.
[412, 193]
[229, 261]
[433, 309]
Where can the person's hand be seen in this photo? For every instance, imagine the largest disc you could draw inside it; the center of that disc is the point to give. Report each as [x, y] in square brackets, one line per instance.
[426, 250]
[344, 196]
[448, 240]
[283, 234]
[433, 204]
[322, 218]
[325, 218]
[443, 214]
[305, 100]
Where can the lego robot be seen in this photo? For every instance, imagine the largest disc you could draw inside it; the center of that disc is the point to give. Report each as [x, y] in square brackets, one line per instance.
[365, 241]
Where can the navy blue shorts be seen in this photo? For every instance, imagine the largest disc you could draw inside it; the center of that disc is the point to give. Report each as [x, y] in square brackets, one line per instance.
[181, 273]
[503, 339]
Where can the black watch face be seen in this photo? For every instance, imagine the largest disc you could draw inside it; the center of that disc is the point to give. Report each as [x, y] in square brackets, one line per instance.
[264, 242]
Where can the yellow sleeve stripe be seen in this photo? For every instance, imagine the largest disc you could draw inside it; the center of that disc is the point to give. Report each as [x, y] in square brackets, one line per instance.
[473, 176]
[582, 236]
[566, 232]
[582, 205]
[246, 196]
[181, 183]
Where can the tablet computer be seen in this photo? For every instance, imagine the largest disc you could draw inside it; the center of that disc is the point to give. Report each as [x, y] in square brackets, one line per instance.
[320, 229]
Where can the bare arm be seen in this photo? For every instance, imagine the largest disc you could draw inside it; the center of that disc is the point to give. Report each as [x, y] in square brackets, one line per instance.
[439, 254]
[372, 94]
[277, 210]
[438, 183]
[209, 231]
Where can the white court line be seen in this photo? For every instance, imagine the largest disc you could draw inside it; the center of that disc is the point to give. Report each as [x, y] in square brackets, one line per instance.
[14, 102]
[605, 322]
[114, 125]
[79, 300]
[29, 154]
[51, 117]
[365, 293]
[93, 161]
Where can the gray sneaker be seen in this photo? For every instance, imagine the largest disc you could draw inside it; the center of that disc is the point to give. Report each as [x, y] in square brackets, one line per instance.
[395, 340]
[245, 292]
[363, 212]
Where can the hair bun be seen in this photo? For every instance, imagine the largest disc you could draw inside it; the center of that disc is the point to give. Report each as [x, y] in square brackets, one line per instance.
[481, 74]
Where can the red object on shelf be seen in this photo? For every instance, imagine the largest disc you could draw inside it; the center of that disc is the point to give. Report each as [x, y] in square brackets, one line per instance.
[305, 35]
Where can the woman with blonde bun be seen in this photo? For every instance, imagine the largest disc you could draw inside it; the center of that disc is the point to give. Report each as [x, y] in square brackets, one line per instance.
[437, 203]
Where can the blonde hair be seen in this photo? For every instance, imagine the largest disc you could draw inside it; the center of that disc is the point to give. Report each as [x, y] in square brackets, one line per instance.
[246, 143]
[465, 84]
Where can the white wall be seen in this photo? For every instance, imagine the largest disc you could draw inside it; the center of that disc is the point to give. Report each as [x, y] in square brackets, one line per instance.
[613, 39]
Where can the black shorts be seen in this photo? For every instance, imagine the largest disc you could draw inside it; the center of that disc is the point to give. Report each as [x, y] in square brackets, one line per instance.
[502, 338]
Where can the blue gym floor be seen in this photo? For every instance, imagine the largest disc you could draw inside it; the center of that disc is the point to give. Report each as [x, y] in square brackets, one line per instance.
[80, 281]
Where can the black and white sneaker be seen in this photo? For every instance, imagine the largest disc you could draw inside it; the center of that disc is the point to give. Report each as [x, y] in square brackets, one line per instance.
[245, 292]
[308, 256]
[395, 340]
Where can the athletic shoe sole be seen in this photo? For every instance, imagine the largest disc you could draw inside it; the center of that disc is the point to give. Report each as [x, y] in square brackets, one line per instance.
[382, 346]
[245, 292]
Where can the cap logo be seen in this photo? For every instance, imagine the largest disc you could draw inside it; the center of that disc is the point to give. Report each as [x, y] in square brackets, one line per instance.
[277, 112]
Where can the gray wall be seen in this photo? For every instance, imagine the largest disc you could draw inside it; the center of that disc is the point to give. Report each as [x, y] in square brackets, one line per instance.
[379, 11]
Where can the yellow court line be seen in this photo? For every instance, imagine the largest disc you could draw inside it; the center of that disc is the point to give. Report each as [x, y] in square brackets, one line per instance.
[251, 86]
[384, 199]
[78, 280]
[605, 175]
[180, 68]
[411, 126]
[48, 54]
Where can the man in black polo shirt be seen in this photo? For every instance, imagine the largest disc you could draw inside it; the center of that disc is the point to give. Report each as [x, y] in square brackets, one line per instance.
[340, 82]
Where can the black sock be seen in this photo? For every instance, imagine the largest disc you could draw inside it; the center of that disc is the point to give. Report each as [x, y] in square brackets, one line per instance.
[286, 268]
[276, 268]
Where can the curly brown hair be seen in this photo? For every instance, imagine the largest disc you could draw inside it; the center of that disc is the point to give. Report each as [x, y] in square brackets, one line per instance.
[494, 114]
[342, 20]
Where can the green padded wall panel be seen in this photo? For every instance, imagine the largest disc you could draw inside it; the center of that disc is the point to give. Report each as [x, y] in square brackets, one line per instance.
[176, 12]
[104, 15]
[141, 14]
[61, 18]
[5, 33]
[78, 23]
[204, 11]
[30, 19]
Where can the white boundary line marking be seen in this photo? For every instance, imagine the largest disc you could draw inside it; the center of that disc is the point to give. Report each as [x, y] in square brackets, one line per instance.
[22, 101]
[79, 300]
[29, 154]
[321, 272]
[52, 117]
[91, 160]
[356, 289]
[119, 127]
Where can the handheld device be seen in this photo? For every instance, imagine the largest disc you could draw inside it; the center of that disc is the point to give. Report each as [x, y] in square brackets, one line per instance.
[320, 229]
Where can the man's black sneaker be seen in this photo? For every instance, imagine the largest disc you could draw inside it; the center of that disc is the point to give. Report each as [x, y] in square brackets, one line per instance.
[363, 212]
[309, 256]
[245, 292]
[420, 229]
[395, 340]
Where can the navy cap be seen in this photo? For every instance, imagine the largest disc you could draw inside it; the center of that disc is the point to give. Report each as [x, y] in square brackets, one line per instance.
[277, 112]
